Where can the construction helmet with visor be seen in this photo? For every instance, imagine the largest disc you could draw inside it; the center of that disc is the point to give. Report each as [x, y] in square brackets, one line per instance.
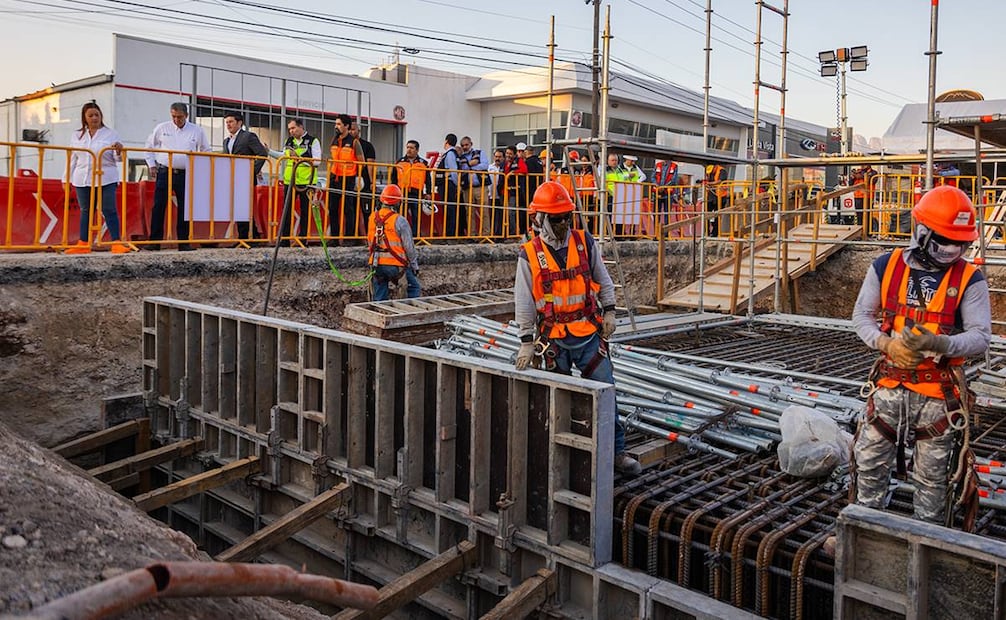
[948, 212]
[551, 197]
[391, 195]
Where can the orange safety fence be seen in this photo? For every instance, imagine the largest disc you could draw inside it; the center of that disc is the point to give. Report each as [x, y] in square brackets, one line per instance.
[224, 201]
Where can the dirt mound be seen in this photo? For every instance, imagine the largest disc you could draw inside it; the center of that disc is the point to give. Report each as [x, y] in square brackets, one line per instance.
[61, 532]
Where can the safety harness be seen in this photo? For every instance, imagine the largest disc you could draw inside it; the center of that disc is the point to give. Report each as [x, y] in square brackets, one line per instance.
[547, 315]
[950, 379]
[380, 242]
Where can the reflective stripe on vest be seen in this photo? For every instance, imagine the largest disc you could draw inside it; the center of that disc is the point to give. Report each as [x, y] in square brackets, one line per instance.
[343, 160]
[385, 244]
[573, 292]
[938, 316]
[306, 173]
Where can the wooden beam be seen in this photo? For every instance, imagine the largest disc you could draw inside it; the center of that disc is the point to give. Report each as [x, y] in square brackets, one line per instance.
[147, 460]
[124, 482]
[96, 441]
[286, 526]
[412, 584]
[525, 598]
[177, 491]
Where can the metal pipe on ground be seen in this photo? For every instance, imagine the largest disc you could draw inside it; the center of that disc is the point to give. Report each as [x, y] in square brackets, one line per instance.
[197, 579]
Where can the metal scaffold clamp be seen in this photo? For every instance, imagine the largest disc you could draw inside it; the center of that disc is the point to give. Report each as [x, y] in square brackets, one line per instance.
[505, 533]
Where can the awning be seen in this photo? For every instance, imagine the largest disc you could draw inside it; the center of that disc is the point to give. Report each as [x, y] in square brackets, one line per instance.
[991, 127]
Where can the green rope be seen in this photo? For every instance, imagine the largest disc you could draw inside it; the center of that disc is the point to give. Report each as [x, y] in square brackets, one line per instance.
[316, 213]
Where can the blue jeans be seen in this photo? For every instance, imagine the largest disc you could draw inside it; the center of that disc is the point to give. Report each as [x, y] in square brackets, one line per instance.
[386, 273]
[107, 197]
[580, 353]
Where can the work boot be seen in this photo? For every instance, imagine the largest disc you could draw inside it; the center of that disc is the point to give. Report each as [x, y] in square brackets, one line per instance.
[82, 247]
[185, 247]
[625, 464]
[120, 248]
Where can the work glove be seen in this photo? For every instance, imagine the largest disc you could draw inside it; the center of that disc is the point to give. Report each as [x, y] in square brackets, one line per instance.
[524, 355]
[608, 325]
[926, 340]
[899, 352]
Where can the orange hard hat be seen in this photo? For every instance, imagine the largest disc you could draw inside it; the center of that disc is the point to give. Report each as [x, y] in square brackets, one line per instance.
[391, 195]
[551, 197]
[574, 156]
[948, 212]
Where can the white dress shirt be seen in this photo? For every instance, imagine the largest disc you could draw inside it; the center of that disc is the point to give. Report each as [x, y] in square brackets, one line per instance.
[81, 164]
[168, 136]
[233, 137]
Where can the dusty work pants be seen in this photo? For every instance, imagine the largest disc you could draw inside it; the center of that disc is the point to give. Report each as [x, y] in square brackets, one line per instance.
[580, 355]
[903, 410]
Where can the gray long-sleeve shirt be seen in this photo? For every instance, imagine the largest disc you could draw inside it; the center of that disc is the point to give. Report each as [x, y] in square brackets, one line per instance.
[524, 308]
[973, 309]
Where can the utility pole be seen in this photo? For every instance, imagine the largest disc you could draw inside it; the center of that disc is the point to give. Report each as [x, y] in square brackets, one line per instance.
[934, 14]
[595, 70]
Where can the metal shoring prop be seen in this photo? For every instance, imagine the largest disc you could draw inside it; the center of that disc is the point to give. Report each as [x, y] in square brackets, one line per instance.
[287, 210]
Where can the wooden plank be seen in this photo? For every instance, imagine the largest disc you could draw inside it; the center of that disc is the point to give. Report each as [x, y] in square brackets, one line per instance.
[409, 586]
[286, 526]
[385, 388]
[480, 431]
[96, 441]
[177, 491]
[573, 499]
[124, 482]
[148, 459]
[526, 597]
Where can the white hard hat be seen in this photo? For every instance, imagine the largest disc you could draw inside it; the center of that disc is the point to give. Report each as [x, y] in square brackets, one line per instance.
[428, 207]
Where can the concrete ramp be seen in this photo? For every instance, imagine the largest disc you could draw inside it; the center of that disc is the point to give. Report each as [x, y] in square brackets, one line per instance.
[727, 285]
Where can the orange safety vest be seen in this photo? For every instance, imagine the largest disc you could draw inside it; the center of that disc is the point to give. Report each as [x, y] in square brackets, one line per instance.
[343, 160]
[586, 180]
[386, 246]
[412, 175]
[563, 179]
[565, 299]
[938, 316]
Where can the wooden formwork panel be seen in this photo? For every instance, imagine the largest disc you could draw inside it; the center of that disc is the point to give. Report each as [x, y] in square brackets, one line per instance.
[421, 320]
[413, 429]
[891, 566]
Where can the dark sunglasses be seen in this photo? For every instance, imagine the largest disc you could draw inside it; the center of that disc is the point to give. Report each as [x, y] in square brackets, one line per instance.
[559, 219]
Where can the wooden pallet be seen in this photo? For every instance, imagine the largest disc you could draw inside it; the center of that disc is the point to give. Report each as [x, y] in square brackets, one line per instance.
[721, 279]
[421, 320]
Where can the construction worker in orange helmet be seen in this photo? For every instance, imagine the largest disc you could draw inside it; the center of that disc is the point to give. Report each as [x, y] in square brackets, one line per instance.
[933, 312]
[392, 249]
[565, 302]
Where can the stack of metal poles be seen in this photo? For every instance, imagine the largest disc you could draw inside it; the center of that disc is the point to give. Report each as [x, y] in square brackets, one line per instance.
[710, 410]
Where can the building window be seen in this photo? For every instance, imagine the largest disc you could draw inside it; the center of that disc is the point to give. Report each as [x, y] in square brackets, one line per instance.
[530, 129]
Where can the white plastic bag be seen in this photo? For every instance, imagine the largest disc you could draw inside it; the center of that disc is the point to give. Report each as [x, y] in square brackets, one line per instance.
[812, 443]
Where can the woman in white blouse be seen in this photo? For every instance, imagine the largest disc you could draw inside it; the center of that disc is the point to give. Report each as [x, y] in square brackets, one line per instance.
[95, 136]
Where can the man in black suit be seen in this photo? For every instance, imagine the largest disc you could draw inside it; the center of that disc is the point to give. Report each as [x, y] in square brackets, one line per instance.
[240, 141]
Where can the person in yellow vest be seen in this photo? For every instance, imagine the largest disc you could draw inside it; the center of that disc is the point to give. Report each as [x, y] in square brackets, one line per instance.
[714, 194]
[346, 153]
[564, 302]
[933, 309]
[300, 144]
[392, 251]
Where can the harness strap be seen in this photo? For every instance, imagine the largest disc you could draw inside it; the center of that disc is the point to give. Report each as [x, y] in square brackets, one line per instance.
[890, 434]
[906, 375]
[599, 356]
[380, 243]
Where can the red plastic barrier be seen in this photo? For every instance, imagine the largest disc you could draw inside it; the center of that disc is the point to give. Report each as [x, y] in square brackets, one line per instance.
[56, 218]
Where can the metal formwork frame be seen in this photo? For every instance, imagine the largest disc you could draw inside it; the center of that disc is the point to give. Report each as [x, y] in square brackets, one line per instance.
[437, 449]
[927, 570]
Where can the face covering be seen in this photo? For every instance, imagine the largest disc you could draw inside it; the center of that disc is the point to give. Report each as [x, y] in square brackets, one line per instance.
[936, 251]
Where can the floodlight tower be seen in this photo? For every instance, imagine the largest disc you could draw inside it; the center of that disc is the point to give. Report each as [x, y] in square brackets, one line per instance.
[833, 62]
